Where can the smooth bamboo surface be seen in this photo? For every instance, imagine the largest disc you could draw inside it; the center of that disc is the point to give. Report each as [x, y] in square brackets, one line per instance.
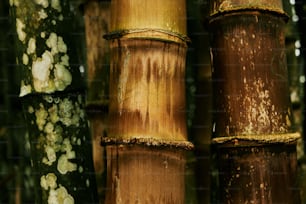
[168, 15]
[250, 75]
[147, 86]
[139, 174]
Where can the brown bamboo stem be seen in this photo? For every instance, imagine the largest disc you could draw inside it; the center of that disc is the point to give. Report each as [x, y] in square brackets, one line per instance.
[252, 119]
[97, 20]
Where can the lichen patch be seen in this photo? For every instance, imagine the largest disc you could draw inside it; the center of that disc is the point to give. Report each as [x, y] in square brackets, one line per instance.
[64, 165]
[43, 3]
[55, 4]
[20, 26]
[31, 46]
[60, 196]
[42, 14]
[41, 68]
[25, 89]
[49, 181]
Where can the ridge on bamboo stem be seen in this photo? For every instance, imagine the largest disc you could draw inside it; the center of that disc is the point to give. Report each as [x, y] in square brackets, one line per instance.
[53, 101]
[252, 130]
[223, 6]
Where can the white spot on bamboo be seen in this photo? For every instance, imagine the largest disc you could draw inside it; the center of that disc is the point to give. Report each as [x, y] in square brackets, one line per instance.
[41, 72]
[25, 59]
[60, 196]
[31, 46]
[42, 14]
[25, 89]
[48, 181]
[43, 3]
[55, 4]
[43, 34]
[64, 165]
[62, 76]
[81, 169]
[30, 110]
[41, 116]
[20, 26]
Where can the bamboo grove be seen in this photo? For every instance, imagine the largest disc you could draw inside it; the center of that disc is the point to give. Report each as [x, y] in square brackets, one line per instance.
[164, 101]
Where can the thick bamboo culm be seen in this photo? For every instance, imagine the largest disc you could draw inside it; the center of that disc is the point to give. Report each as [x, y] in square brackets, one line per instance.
[97, 20]
[52, 96]
[147, 129]
[252, 115]
[200, 130]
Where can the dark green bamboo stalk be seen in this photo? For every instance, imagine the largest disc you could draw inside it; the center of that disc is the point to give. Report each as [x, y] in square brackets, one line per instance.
[200, 131]
[53, 102]
[256, 144]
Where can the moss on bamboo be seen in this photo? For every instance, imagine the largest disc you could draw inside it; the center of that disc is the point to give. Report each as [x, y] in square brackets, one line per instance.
[60, 143]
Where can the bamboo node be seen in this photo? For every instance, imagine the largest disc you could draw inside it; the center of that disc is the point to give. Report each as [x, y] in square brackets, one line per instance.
[243, 10]
[148, 33]
[246, 140]
[150, 142]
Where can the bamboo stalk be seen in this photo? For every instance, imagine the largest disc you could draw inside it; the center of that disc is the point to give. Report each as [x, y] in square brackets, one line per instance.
[252, 119]
[53, 102]
[200, 131]
[147, 131]
[97, 20]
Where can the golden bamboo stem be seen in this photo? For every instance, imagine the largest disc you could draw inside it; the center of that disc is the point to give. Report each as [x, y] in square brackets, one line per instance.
[147, 102]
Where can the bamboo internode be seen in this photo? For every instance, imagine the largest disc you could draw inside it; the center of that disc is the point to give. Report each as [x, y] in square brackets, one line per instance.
[147, 70]
[167, 15]
[147, 86]
[250, 75]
